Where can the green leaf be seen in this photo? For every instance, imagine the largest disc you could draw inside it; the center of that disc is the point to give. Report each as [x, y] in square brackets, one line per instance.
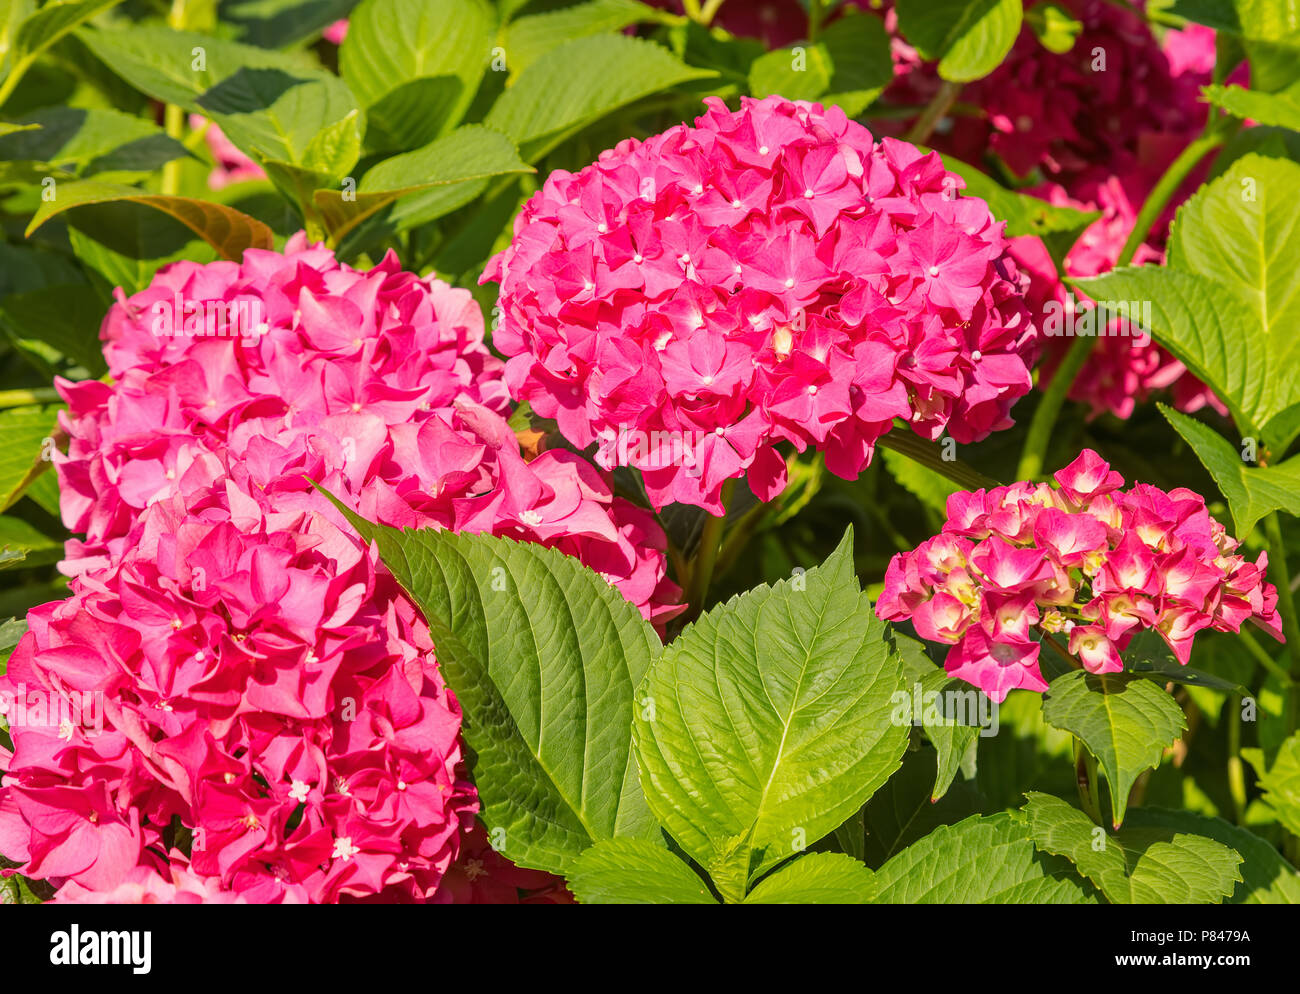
[818, 878]
[127, 246]
[90, 141]
[282, 23]
[1205, 324]
[456, 160]
[50, 23]
[529, 38]
[634, 871]
[1149, 655]
[416, 65]
[63, 318]
[1266, 878]
[1280, 781]
[543, 656]
[949, 710]
[272, 105]
[1150, 864]
[769, 722]
[21, 538]
[1125, 721]
[24, 451]
[981, 860]
[224, 228]
[1280, 109]
[969, 38]
[849, 65]
[1226, 302]
[580, 82]
[1251, 491]
[12, 14]
[902, 811]
[11, 631]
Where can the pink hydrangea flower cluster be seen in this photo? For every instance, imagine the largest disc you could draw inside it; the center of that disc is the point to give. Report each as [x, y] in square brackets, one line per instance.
[264, 687]
[1084, 561]
[267, 690]
[769, 275]
[376, 384]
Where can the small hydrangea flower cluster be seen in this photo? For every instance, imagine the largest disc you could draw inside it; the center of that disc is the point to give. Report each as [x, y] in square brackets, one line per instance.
[267, 689]
[1087, 561]
[771, 274]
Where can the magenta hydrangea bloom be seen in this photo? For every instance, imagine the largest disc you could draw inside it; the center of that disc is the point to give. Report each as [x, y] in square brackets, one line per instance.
[376, 384]
[264, 686]
[1085, 560]
[267, 690]
[770, 274]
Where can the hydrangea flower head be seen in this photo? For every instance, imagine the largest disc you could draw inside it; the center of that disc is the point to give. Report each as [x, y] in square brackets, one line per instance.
[770, 274]
[267, 691]
[1085, 560]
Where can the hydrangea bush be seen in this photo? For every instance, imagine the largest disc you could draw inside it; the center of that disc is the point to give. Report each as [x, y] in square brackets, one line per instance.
[599, 451]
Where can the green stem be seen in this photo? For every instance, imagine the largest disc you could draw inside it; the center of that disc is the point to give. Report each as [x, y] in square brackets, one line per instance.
[920, 132]
[1263, 658]
[1086, 779]
[174, 125]
[710, 11]
[28, 398]
[692, 8]
[706, 554]
[1286, 608]
[1236, 774]
[816, 14]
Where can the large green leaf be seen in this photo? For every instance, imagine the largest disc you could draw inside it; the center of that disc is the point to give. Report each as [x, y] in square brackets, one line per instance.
[634, 871]
[981, 860]
[126, 246]
[543, 656]
[1251, 491]
[42, 28]
[1266, 878]
[969, 38]
[416, 65]
[1124, 720]
[580, 82]
[768, 722]
[90, 141]
[528, 38]
[58, 321]
[224, 228]
[1148, 864]
[456, 160]
[818, 878]
[1227, 302]
[271, 104]
[849, 65]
